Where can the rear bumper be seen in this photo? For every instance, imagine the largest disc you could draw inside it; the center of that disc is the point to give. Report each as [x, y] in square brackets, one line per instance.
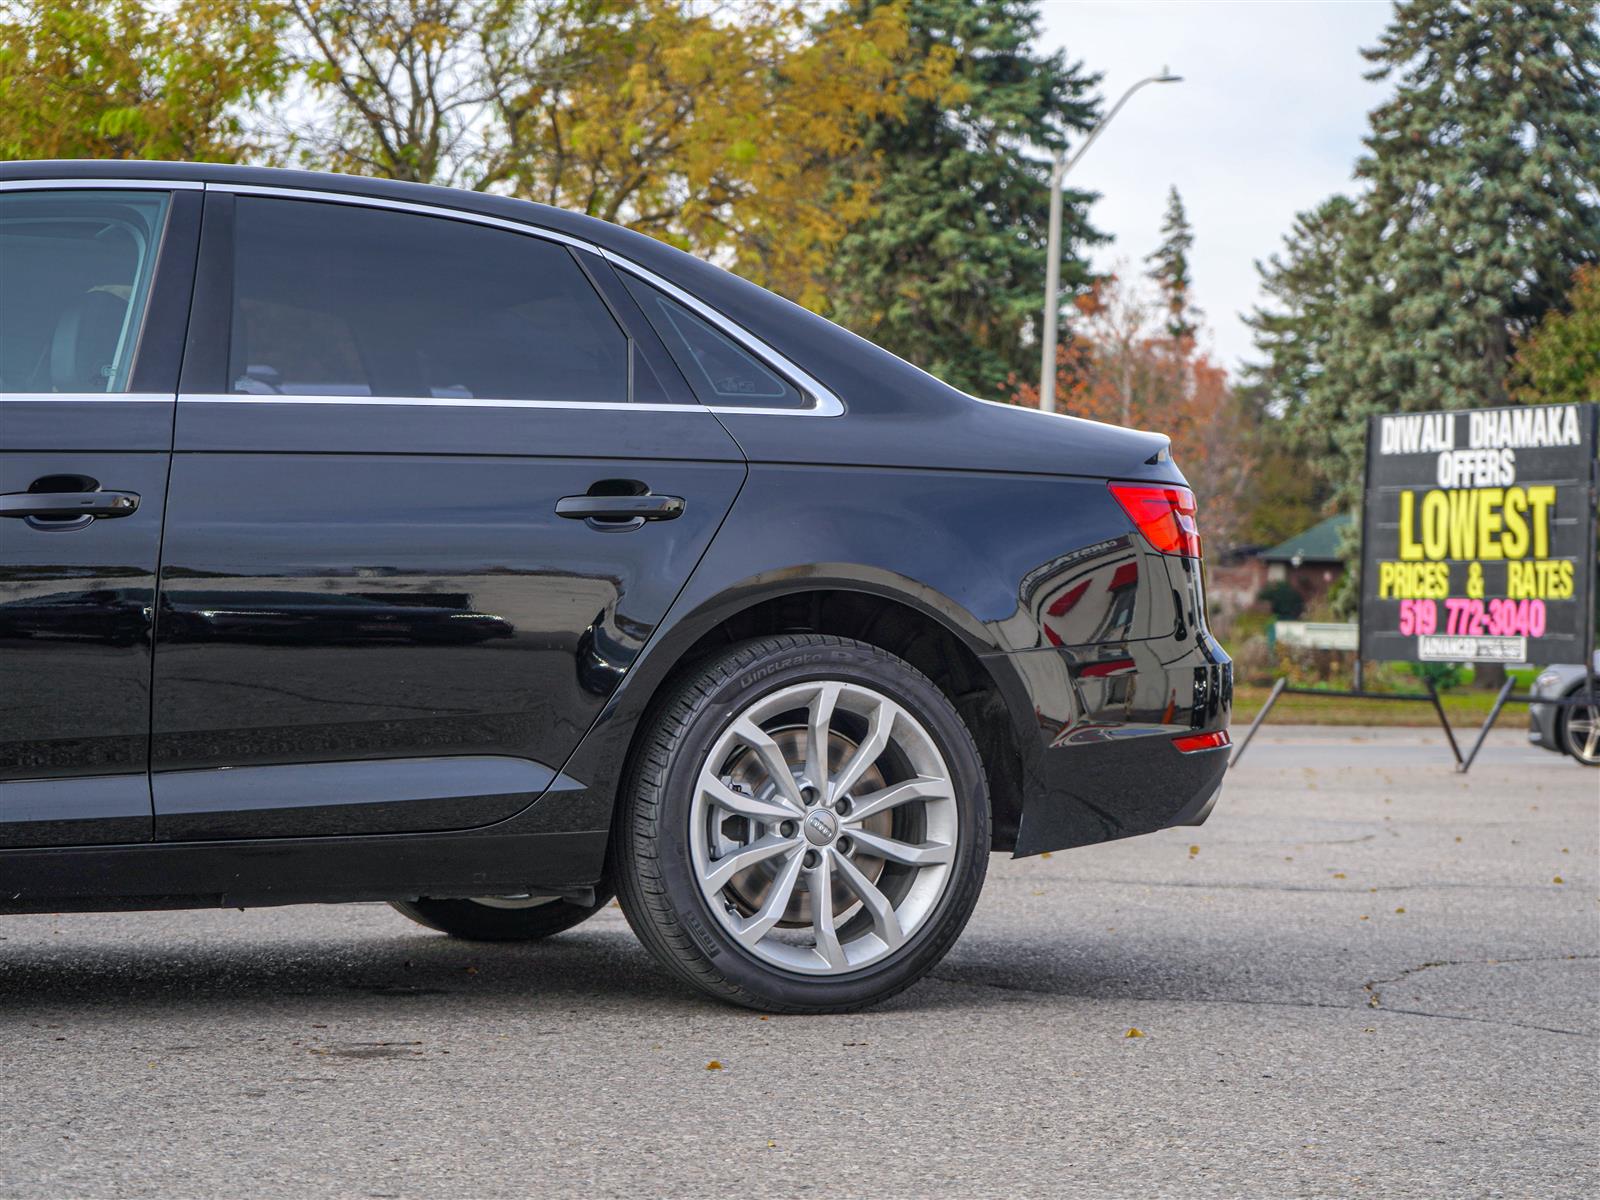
[1099, 757]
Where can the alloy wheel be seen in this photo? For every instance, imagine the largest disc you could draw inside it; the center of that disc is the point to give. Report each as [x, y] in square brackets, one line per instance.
[824, 827]
[1583, 733]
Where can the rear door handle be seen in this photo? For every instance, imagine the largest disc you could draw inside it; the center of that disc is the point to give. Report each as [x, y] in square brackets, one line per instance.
[620, 508]
[65, 506]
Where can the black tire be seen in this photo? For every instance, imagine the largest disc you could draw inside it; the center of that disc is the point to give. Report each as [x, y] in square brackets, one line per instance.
[654, 874]
[473, 921]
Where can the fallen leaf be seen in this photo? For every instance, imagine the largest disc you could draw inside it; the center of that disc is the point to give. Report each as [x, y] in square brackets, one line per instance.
[1338, 875]
[1193, 850]
[1558, 879]
[770, 1145]
[714, 1065]
[1458, 839]
[1399, 910]
[1046, 854]
[1364, 917]
[1134, 1033]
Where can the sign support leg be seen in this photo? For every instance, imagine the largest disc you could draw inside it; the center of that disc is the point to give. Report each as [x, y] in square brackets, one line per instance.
[1488, 724]
[1272, 698]
[1444, 723]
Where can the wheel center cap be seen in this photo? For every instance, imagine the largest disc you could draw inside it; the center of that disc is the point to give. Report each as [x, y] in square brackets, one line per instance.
[821, 827]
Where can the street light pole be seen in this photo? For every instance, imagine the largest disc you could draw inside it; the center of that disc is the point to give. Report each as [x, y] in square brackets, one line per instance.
[1052, 270]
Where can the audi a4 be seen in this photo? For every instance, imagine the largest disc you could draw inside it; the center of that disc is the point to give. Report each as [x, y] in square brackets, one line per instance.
[366, 541]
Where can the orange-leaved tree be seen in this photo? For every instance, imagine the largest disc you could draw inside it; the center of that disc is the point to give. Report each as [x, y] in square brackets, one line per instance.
[1122, 363]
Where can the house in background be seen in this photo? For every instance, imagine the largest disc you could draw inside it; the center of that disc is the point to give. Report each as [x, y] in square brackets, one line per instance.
[1309, 562]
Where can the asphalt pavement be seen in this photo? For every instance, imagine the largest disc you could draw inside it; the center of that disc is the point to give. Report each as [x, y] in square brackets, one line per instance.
[1365, 976]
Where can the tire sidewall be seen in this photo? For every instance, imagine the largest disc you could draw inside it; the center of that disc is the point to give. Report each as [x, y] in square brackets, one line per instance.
[739, 690]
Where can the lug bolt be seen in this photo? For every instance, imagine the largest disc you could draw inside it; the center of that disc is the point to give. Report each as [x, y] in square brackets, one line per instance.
[788, 829]
[811, 860]
[845, 845]
[842, 806]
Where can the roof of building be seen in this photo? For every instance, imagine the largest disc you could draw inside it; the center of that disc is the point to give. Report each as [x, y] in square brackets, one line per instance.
[1319, 544]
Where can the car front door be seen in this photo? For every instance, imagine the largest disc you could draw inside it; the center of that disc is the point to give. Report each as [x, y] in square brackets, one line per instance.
[434, 484]
[94, 291]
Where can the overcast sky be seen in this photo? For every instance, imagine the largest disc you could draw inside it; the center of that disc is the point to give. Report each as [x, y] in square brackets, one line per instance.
[1267, 122]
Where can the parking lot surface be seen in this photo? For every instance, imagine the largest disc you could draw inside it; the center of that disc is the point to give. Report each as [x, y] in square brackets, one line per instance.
[1367, 975]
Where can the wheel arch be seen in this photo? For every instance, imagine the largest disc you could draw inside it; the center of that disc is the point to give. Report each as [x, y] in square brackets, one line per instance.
[910, 621]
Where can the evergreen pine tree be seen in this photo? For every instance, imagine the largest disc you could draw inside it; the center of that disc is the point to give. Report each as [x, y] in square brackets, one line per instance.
[1482, 174]
[949, 270]
[1170, 269]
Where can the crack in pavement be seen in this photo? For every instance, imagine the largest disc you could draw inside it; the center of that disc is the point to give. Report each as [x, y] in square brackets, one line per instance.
[1375, 997]
[1405, 1012]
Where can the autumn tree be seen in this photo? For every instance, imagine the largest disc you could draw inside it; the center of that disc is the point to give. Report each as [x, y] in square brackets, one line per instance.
[1169, 267]
[736, 132]
[946, 267]
[1121, 364]
[126, 79]
[1559, 362]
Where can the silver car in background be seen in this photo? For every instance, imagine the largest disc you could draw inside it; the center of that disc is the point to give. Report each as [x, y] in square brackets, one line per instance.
[1569, 729]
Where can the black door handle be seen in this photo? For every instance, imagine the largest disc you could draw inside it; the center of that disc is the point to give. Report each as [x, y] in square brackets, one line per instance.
[633, 509]
[65, 506]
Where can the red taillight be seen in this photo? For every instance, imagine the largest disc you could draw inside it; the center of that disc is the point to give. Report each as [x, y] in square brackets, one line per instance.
[1191, 742]
[1164, 513]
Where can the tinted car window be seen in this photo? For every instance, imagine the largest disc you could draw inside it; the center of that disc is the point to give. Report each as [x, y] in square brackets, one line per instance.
[333, 299]
[720, 371]
[75, 271]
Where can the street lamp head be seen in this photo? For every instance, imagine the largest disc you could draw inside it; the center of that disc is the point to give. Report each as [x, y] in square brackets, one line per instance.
[1167, 76]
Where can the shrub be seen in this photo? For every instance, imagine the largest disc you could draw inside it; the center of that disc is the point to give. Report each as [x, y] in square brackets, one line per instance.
[1286, 603]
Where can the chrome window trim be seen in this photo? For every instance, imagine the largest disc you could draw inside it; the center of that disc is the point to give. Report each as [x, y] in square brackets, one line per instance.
[824, 402]
[81, 397]
[116, 185]
[432, 402]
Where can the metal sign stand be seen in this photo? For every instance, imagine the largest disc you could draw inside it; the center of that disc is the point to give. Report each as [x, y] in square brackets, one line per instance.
[1281, 686]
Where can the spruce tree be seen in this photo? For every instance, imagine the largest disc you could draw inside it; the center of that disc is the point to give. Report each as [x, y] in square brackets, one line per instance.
[1482, 173]
[949, 270]
[1169, 267]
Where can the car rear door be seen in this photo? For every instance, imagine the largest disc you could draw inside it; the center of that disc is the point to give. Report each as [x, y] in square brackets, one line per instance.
[94, 293]
[434, 483]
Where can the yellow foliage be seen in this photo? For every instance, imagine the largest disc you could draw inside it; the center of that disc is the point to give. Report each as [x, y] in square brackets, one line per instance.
[120, 79]
[721, 131]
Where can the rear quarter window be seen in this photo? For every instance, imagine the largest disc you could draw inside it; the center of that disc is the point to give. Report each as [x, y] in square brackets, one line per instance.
[721, 372]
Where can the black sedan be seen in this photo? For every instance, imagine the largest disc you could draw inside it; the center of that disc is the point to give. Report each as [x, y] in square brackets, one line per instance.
[367, 541]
